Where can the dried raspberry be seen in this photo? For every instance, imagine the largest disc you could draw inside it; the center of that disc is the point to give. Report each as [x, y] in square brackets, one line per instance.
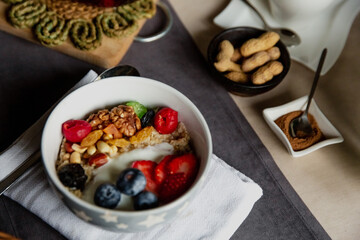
[166, 120]
[75, 130]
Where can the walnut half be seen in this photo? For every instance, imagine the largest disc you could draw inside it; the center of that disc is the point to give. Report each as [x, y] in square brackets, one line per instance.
[123, 117]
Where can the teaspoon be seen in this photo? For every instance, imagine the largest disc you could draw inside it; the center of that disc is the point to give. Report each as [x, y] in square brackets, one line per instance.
[300, 126]
[122, 70]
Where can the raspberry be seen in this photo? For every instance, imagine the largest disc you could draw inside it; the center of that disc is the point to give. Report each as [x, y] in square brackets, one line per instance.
[166, 120]
[75, 130]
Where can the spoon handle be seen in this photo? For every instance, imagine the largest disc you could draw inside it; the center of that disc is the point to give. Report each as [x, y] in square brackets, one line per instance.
[316, 79]
[258, 13]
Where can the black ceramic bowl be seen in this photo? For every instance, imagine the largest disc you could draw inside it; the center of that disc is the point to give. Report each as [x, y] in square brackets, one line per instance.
[237, 36]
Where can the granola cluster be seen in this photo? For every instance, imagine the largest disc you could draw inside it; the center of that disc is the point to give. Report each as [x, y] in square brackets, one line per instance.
[123, 117]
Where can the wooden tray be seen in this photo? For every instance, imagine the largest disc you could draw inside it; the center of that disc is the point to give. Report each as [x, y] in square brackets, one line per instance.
[107, 55]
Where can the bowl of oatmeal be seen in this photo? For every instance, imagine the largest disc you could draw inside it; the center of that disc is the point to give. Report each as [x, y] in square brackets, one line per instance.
[129, 149]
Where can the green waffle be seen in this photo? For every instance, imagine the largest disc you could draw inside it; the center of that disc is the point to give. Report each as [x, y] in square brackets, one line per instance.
[52, 30]
[137, 10]
[114, 25]
[26, 14]
[85, 35]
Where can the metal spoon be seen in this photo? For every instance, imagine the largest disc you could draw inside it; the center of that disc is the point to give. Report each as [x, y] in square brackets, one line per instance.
[300, 126]
[122, 70]
[287, 36]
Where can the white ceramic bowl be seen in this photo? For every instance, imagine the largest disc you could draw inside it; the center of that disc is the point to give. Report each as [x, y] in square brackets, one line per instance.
[111, 92]
[332, 135]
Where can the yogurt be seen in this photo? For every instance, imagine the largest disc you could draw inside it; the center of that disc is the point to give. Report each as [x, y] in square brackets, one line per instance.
[109, 172]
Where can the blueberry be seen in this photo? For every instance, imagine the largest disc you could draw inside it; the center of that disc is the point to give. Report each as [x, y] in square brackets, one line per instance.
[131, 181]
[147, 118]
[107, 196]
[73, 176]
[145, 200]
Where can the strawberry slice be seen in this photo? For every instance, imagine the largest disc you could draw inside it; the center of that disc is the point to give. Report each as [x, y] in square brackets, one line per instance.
[147, 167]
[161, 169]
[173, 187]
[186, 164]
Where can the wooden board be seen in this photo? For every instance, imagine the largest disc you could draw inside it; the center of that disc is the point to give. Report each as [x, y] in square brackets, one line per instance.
[107, 55]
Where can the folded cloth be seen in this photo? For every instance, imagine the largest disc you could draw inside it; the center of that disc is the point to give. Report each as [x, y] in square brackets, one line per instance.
[223, 203]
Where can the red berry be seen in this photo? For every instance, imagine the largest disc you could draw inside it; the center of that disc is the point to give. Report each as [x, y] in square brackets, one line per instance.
[75, 130]
[147, 167]
[98, 160]
[173, 187]
[166, 120]
[186, 164]
[161, 169]
[108, 3]
[152, 186]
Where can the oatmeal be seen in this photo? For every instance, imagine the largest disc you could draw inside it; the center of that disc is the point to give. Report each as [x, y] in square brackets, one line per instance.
[94, 152]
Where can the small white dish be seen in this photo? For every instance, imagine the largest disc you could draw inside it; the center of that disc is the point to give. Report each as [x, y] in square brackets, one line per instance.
[332, 135]
[326, 30]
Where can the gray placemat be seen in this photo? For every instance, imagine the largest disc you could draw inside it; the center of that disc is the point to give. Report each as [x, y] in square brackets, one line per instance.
[175, 60]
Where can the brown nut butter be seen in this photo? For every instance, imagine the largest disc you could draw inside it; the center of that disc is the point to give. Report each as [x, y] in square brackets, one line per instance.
[298, 143]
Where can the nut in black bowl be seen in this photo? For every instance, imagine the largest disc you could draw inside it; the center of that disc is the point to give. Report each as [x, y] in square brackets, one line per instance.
[237, 36]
